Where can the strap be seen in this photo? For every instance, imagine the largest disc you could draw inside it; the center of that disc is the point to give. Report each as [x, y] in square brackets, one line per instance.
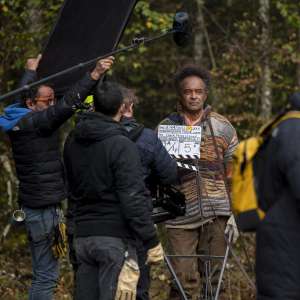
[219, 160]
[264, 130]
[223, 168]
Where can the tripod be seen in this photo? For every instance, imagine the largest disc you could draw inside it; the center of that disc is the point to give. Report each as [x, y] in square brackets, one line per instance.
[208, 291]
[176, 280]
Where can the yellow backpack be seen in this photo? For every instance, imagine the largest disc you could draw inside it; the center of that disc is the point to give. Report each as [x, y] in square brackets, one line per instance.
[245, 202]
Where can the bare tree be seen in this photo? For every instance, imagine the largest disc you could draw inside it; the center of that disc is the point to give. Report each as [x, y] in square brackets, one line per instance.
[266, 89]
[199, 32]
[298, 60]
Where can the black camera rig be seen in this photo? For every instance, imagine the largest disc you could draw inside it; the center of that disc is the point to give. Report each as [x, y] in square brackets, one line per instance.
[168, 203]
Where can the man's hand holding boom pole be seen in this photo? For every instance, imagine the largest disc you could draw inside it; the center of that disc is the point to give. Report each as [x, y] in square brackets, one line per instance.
[102, 66]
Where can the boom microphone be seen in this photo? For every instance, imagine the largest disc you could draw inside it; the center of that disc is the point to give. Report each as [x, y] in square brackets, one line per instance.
[182, 29]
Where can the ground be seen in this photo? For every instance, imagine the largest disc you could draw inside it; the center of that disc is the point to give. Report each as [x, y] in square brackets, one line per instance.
[15, 273]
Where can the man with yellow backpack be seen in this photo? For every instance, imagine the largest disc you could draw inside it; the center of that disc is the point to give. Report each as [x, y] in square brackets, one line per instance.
[266, 198]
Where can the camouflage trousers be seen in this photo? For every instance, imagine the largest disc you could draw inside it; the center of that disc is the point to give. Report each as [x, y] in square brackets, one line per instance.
[198, 276]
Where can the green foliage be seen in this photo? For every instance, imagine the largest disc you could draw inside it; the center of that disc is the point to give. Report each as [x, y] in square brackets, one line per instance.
[289, 11]
[145, 69]
[234, 32]
[24, 24]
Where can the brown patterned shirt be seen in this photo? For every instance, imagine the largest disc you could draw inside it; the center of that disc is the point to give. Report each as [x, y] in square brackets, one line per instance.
[206, 194]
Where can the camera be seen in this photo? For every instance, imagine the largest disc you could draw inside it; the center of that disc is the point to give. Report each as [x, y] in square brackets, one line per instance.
[168, 203]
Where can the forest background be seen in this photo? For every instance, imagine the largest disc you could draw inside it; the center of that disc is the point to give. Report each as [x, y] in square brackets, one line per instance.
[251, 47]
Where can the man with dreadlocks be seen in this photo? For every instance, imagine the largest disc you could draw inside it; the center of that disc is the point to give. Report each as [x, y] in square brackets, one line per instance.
[201, 230]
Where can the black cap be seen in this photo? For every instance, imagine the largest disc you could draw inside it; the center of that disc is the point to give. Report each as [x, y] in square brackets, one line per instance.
[294, 101]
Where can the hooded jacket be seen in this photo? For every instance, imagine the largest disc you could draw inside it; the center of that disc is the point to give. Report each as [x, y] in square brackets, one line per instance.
[278, 235]
[36, 146]
[106, 182]
[12, 114]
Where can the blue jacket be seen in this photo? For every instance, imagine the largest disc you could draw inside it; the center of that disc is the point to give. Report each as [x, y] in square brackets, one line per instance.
[12, 114]
[156, 161]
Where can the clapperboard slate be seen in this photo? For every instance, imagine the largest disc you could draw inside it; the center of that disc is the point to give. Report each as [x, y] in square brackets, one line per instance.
[181, 142]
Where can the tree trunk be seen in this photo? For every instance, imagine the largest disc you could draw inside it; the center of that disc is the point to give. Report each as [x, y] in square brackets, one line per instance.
[266, 89]
[298, 59]
[199, 32]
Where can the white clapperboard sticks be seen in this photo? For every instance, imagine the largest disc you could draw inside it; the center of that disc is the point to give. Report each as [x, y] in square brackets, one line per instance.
[183, 165]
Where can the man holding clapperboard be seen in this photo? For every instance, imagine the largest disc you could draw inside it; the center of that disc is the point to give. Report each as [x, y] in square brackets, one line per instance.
[203, 143]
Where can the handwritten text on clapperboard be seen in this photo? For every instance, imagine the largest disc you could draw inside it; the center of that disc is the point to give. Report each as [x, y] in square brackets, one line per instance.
[181, 141]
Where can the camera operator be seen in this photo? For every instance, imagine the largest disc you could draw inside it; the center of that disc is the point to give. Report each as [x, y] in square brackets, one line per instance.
[111, 212]
[156, 162]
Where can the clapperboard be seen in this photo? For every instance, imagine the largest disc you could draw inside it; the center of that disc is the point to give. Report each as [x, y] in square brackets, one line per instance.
[181, 142]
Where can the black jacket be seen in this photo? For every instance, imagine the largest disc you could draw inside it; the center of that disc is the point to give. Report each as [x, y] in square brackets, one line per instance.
[106, 182]
[278, 236]
[155, 159]
[36, 149]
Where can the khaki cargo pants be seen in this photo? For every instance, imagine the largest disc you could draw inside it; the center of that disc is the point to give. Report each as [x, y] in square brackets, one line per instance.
[207, 240]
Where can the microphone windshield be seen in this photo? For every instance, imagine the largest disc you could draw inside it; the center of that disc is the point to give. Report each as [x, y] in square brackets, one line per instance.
[182, 29]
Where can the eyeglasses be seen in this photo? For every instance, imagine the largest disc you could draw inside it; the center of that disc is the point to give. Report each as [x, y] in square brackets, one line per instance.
[46, 100]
